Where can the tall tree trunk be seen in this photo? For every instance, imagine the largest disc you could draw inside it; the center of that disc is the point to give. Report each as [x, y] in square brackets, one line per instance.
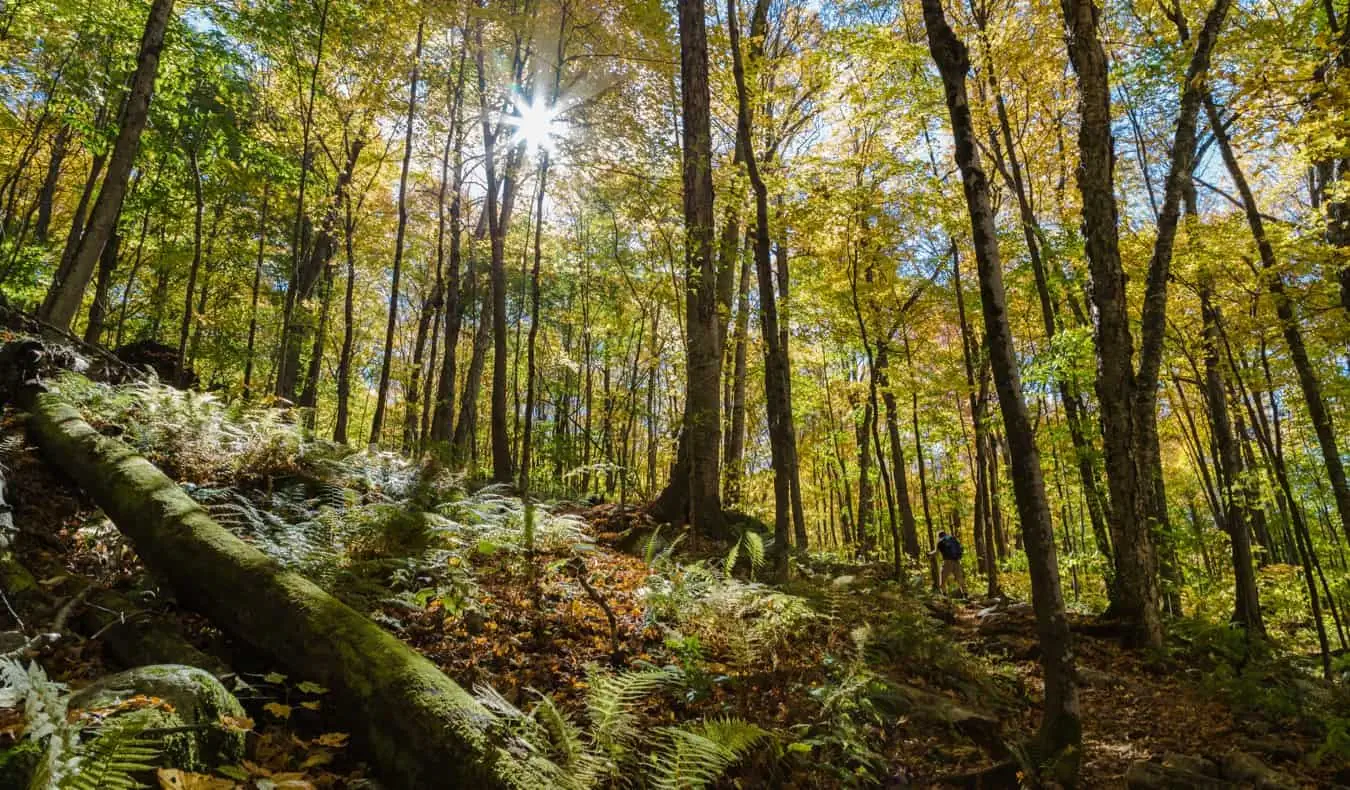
[782, 435]
[1061, 725]
[98, 309]
[344, 377]
[1128, 400]
[909, 531]
[735, 442]
[442, 421]
[694, 494]
[387, 363]
[1308, 381]
[923, 474]
[67, 289]
[1236, 515]
[47, 194]
[194, 270]
[257, 284]
[302, 280]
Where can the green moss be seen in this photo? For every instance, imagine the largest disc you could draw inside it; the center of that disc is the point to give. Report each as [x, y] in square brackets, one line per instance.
[422, 728]
[198, 700]
[18, 762]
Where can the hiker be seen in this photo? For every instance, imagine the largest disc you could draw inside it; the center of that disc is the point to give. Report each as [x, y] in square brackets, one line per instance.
[951, 551]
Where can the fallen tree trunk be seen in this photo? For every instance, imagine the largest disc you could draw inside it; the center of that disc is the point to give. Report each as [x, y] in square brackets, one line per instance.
[422, 729]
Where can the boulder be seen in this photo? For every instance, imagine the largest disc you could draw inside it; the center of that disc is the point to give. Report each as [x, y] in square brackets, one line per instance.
[1188, 762]
[196, 706]
[1154, 775]
[1239, 766]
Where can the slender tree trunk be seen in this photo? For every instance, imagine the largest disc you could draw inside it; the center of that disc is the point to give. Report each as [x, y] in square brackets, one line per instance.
[47, 194]
[67, 289]
[782, 435]
[1061, 725]
[344, 376]
[735, 444]
[98, 310]
[301, 282]
[1236, 514]
[1308, 380]
[387, 363]
[442, 421]
[198, 241]
[257, 284]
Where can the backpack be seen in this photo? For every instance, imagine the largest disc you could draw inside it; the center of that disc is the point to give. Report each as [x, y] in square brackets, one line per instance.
[951, 548]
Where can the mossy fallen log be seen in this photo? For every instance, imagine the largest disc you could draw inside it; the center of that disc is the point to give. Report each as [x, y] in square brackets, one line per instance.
[421, 728]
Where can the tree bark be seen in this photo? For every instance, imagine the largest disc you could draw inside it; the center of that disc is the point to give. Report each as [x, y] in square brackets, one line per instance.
[442, 420]
[1309, 383]
[47, 194]
[257, 284]
[1061, 725]
[67, 289]
[1236, 514]
[782, 435]
[387, 363]
[694, 494]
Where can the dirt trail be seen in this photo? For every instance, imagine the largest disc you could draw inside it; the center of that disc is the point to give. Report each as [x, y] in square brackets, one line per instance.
[1134, 706]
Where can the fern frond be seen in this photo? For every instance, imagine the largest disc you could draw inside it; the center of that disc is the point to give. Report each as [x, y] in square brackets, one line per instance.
[611, 703]
[696, 755]
[111, 760]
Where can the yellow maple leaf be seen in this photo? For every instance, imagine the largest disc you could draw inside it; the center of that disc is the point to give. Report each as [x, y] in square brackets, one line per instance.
[239, 723]
[174, 779]
[278, 710]
[334, 739]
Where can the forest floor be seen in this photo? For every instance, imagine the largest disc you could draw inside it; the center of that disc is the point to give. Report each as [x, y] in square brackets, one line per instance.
[873, 686]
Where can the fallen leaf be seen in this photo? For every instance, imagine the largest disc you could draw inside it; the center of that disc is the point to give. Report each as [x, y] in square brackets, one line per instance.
[278, 710]
[238, 723]
[174, 779]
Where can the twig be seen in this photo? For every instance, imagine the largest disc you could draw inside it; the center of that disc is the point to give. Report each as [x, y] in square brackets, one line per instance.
[50, 637]
[12, 613]
[578, 567]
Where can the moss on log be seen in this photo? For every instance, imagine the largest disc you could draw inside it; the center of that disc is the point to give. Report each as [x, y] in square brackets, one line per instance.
[421, 728]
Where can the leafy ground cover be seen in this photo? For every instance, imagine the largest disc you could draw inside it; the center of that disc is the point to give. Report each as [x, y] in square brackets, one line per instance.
[666, 665]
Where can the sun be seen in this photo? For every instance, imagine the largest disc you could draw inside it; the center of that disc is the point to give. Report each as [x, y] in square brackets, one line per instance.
[537, 125]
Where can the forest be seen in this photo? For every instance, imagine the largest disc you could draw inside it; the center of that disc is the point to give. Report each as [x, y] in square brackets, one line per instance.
[674, 394]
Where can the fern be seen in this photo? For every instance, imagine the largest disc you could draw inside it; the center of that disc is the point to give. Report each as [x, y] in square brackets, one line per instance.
[752, 545]
[696, 755]
[111, 760]
[610, 705]
[605, 752]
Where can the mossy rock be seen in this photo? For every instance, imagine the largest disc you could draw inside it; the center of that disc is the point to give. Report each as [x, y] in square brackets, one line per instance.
[18, 762]
[197, 699]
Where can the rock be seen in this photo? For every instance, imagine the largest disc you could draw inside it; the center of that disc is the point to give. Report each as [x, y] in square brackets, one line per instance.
[11, 641]
[1152, 775]
[1239, 766]
[1096, 678]
[197, 700]
[1270, 747]
[18, 762]
[1187, 762]
[981, 727]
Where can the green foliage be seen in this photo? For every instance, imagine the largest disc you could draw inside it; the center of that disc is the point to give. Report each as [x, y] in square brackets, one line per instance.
[118, 752]
[697, 755]
[610, 749]
[741, 622]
